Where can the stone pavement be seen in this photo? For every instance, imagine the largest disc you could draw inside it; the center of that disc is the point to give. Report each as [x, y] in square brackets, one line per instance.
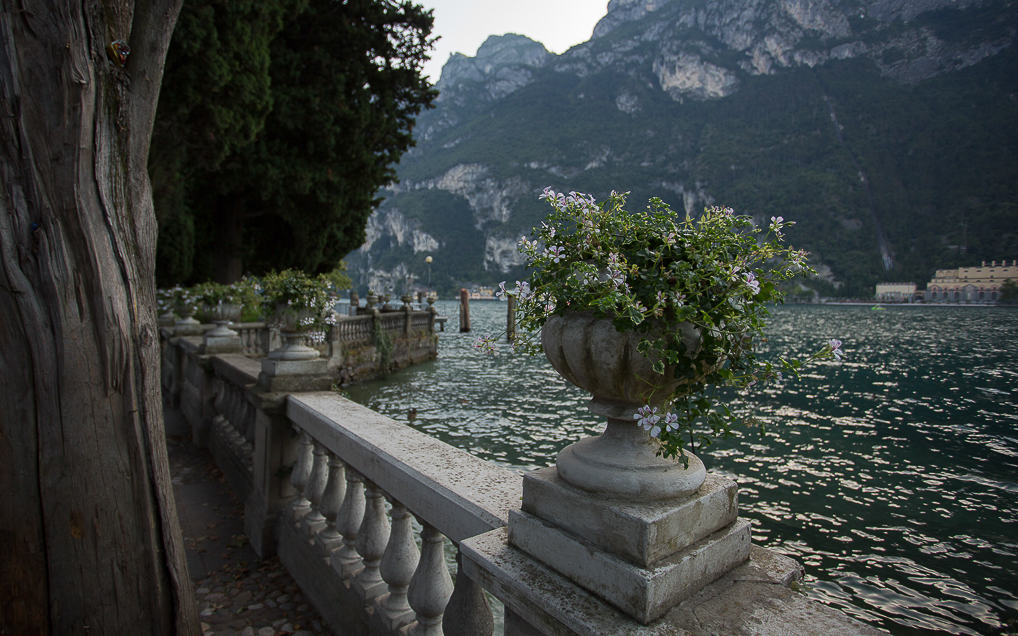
[237, 594]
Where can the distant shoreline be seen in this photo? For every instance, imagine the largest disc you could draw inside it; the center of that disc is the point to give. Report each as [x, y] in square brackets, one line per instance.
[860, 303]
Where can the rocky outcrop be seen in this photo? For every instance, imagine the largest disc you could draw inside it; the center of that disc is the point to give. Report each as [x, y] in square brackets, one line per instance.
[501, 255]
[503, 65]
[768, 35]
[389, 222]
[490, 199]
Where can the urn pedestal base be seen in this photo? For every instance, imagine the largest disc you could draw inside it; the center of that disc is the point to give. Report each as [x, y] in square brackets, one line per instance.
[187, 327]
[294, 375]
[642, 557]
[623, 462]
[222, 339]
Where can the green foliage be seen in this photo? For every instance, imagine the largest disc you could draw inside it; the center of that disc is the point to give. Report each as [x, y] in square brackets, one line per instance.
[696, 290]
[383, 345]
[209, 301]
[1009, 292]
[295, 299]
[215, 97]
[338, 278]
[278, 123]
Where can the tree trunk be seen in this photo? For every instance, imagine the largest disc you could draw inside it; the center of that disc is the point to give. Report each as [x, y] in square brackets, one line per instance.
[88, 528]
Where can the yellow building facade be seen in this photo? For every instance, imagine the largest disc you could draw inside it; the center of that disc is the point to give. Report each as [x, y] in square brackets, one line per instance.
[971, 284]
[895, 292]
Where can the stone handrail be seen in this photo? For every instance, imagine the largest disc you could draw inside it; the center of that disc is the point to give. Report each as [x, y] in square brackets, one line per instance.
[354, 329]
[319, 473]
[350, 461]
[457, 493]
[258, 338]
[232, 429]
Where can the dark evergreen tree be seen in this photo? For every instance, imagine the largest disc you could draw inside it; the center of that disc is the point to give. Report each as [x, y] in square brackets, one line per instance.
[279, 123]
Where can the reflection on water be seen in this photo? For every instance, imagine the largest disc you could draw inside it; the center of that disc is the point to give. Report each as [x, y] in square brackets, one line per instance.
[892, 476]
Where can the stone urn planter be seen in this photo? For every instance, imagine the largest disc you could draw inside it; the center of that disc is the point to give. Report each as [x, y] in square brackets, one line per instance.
[622, 461]
[293, 331]
[223, 315]
[186, 324]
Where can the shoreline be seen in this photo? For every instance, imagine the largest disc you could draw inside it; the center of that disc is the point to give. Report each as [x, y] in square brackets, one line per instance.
[859, 303]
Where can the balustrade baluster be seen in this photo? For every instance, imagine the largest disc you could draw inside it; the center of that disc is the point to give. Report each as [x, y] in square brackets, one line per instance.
[398, 565]
[217, 427]
[431, 584]
[314, 521]
[332, 500]
[371, 541]
[468, 612]
[248, 417]
[346, 560]
[236, 410]
[232, 402]
[300, 476]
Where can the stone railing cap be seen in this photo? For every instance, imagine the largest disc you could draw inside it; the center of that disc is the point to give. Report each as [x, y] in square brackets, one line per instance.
[457, 493]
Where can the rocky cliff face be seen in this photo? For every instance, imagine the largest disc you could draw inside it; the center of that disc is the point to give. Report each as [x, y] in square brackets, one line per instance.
[811, 106]
[697, 40]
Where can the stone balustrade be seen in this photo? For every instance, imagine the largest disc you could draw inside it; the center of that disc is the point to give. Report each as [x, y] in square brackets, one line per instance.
[364, 486]
[363, 511]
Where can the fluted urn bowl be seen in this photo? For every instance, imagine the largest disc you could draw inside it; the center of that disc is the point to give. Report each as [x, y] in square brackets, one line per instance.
[623, 461]
[223, 314]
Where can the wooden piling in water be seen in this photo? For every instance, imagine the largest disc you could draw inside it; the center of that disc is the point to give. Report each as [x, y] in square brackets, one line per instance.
[464, 310]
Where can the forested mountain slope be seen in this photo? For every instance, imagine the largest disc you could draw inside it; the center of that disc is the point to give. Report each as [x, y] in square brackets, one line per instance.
[885, 128]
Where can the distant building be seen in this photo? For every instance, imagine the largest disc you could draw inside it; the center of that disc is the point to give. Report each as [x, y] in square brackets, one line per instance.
[895, 292]
[970, 284]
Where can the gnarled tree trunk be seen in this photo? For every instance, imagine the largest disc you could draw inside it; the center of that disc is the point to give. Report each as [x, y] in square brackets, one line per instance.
[91, 542]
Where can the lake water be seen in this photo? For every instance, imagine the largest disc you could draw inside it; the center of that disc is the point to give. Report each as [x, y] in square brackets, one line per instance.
[892, 476]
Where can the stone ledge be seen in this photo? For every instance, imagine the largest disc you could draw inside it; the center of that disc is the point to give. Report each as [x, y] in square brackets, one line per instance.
[237, 369]
[748, 600]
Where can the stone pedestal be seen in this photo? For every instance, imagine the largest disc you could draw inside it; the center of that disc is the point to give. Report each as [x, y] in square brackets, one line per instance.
[187, 327]
[275, 452]
[641, 557]
[754, 599]
[294, 367]
[292, 376]
[221, 339]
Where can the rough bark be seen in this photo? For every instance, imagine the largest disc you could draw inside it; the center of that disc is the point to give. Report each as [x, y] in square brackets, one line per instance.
[88, 524]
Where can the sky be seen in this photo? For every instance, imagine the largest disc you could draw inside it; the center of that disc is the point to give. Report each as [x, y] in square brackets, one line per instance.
[465, 24]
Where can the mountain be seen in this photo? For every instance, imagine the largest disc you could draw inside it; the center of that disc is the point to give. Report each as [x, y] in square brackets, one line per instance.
[888, 129]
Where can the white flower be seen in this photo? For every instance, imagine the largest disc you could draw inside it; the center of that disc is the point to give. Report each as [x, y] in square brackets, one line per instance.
[835, 346]
[752, 282]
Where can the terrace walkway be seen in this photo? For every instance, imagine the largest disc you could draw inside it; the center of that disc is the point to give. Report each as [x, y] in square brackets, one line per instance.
[236, 592]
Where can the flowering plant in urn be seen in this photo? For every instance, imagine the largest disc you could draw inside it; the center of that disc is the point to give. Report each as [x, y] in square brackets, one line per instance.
[297, 301]
[680, 300]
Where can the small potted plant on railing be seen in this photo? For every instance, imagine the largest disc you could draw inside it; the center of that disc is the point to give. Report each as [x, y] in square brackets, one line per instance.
[220, 304]
[184, 305]
[647, 311]
[166, 304]
[299, 304]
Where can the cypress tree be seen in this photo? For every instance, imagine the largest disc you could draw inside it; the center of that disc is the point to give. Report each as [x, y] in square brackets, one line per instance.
[278, 124]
